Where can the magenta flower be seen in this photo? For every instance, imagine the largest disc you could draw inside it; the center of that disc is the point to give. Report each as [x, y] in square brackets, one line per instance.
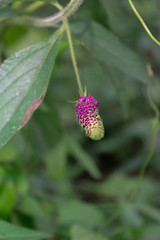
[89, 118]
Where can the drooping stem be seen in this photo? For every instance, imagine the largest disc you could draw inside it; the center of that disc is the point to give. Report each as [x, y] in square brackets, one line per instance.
[62, 16]
[143, 23]
[72, 7]
[67, 11]
[65, 20]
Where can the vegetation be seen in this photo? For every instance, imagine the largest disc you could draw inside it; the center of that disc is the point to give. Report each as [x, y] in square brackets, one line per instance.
[56, 182]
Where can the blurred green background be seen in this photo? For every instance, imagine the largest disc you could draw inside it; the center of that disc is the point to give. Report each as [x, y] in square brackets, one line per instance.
[55, 179]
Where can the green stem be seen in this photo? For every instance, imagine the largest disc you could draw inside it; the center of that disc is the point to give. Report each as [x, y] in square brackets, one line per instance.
[65, 20]
[72, 6]
[143, 23]
[33, 6]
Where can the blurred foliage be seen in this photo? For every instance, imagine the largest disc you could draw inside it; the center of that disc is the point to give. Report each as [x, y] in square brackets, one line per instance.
[52, 177]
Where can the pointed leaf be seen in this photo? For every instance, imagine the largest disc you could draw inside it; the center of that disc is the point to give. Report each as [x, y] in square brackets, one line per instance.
[107, 48]
[83, 157]
[83, 213]
[24, 78]
[80, 233]
[11, 232]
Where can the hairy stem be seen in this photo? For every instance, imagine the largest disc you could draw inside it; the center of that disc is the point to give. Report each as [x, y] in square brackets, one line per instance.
[66, 25]
[70, 9]
[65, 20]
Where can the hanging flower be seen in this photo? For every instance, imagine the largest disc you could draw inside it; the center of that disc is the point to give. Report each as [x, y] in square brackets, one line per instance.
[89, 118]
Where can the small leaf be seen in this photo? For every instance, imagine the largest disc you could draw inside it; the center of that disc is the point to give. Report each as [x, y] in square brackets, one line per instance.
[116, 186]
[11, 232]
[149, 211]
[82, 213]
[38, 213]
[24, 78]
[83, 157]
[151, 232]
[56, 161]
[107, 48]
[80, 233]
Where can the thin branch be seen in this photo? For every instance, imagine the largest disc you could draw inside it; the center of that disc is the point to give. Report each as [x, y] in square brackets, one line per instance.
[70, 9]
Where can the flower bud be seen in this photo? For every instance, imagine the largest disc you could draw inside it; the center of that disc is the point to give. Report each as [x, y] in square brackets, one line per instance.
[89, 118]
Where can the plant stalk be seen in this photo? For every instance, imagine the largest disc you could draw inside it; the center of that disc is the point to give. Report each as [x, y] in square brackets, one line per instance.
[65, 20]
[70, 9]
[66, 25]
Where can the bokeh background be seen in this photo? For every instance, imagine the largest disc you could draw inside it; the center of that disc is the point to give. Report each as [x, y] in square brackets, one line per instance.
[52, 177]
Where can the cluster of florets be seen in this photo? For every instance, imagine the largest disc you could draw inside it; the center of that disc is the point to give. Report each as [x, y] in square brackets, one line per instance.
[89, 118]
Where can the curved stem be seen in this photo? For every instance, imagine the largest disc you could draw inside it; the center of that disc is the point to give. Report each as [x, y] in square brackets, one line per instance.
[72, 6]
[143, 23]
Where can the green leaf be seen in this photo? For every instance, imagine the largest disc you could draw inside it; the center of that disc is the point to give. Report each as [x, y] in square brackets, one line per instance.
[7, 199]
[119, 22]
[45, 128]
[56, 161]
[24, 78]
[83, 157]
[38, 212]
[6, 12]
[131, 217]
[11, 232]
[8, 153]
[80, 233]
[107, 48]
[149, 211]
[117, 185]
[151, 232]
[82, 213]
